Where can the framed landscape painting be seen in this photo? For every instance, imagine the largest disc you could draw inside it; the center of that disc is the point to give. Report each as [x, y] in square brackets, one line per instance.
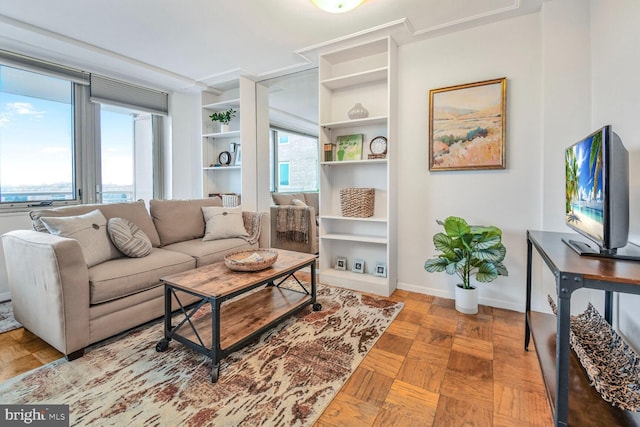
[467, 126]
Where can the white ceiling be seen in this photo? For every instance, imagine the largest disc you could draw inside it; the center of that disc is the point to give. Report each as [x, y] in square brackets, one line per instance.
[190, 44]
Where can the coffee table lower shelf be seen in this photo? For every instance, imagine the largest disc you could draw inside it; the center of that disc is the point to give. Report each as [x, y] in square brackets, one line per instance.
[247, 317]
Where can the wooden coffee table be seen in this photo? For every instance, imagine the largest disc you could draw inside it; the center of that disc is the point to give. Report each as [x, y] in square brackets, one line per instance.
[234, 324]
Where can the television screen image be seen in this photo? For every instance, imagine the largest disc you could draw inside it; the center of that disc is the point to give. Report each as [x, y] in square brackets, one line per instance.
[585, 197]
[597, 195]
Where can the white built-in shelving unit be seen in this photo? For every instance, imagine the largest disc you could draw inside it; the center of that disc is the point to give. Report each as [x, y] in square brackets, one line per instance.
[364, 73]
[220, 179]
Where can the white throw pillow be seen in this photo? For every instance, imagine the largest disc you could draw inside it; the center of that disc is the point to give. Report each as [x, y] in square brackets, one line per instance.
[223, 223]
[298, 202]
[90, 230]
[128, 238]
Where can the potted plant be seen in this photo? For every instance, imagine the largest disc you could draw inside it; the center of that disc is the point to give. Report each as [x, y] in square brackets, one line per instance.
[468, 251]
[224, 117]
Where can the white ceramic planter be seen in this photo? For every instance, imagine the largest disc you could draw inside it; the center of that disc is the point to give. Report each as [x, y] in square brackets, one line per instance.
[224, 128]
[466, 300]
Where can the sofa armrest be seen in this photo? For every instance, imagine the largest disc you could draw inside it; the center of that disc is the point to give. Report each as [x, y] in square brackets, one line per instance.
[310, 246]
[49, 284]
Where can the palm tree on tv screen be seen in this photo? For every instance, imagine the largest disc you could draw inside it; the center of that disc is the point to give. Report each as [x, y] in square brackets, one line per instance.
[595, 160]
[571, 175]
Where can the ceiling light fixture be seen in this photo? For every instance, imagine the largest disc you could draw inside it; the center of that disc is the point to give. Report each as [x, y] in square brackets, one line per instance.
[337, 6]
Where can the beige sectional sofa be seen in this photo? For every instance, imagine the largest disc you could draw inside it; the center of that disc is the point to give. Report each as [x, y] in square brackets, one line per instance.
[59, 298]
[294, 221]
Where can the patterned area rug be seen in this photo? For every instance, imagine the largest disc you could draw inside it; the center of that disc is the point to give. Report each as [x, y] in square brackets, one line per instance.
[287, 377]
[7, 321]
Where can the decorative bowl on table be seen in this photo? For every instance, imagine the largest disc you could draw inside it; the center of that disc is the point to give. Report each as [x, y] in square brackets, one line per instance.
[251, 260]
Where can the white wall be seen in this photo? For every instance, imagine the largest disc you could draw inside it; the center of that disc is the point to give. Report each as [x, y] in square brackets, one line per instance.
[186, 146]
[510, 198]
[615, 61]
[566, 118]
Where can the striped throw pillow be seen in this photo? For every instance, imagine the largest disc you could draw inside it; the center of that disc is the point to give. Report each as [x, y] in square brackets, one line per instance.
[128, 238]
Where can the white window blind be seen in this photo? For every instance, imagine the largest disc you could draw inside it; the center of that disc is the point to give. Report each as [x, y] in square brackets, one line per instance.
[43, 67]
[114, 92]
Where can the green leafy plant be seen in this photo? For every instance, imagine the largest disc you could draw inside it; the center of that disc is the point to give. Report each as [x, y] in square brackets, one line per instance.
[468, 251]
[223, 117]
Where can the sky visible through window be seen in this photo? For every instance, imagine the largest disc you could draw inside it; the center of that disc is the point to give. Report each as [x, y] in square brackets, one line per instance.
[36, 148]
[35, 142]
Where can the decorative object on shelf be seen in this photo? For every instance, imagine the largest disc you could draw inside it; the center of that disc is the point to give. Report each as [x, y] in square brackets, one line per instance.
[251, 260]
[612, 366]
[380, 270]
[337, 6]
[328, 152]
[232, 147]
[378, 148]
[349, 147]
[358, 112]
[468, 250]
[224, 117]
[358, 266]
[224, 158]
[357, 202]
[467, 126]
[238, 159]
[230, 200]
[341, 263]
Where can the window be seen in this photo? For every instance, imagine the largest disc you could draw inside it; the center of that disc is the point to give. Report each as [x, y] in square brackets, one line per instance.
[62, 141]
[283, 174]
[296, 161]
[37, 161]
[126, 155]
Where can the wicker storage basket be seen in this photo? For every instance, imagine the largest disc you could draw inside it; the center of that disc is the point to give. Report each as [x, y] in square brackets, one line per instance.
[357, 202]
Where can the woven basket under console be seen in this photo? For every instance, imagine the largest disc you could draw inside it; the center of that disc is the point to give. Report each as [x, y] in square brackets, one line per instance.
[357, 202]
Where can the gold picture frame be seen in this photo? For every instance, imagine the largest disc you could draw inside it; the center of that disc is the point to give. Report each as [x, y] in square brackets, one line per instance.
[468, 125]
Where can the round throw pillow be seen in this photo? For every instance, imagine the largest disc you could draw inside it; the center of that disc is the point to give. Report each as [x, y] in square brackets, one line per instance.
[128, 238]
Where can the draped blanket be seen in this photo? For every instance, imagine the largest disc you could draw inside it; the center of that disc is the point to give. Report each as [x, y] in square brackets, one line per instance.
[253, 224]
[292, 223]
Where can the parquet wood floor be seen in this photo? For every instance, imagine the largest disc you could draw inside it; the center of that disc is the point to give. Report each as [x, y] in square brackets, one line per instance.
[432, 367]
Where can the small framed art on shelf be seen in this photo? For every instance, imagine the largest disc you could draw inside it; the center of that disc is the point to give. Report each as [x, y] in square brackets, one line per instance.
[341, 263]
[358, 266]
[349, 147]
[380, 270]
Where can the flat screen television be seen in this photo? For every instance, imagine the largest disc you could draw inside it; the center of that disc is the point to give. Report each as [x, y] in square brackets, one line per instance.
[597, 195]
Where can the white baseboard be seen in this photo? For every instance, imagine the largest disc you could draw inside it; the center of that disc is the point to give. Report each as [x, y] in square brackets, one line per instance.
[507, 305]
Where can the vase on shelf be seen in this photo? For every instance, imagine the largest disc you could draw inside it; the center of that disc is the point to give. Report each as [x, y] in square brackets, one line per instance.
[358, 112]
[224, 128]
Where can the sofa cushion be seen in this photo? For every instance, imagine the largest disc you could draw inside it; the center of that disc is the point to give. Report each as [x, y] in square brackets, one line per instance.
[313, 200]
[211, 251]
[128, 238]
[180, 220]
[120, 277]
[223, 223]
[298, 202]
[286, 198]
[136, 212]
[90, 230]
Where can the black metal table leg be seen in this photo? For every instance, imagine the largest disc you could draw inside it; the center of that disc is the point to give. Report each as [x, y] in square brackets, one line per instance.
[315, 305]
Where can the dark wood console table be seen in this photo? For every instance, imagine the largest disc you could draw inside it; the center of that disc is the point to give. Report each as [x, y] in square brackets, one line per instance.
[573, 401]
